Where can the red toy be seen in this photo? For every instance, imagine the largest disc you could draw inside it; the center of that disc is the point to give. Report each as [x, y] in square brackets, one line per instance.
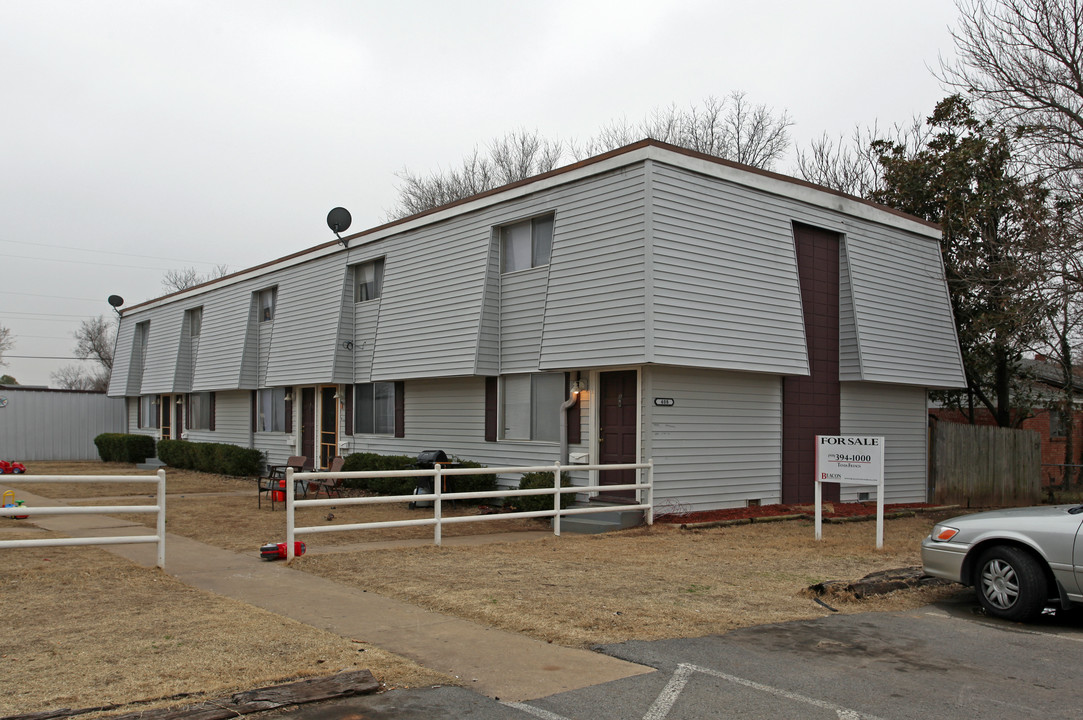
[277, 551]
[11, 468]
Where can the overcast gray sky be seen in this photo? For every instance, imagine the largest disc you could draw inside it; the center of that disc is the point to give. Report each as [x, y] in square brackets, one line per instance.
[141, 136]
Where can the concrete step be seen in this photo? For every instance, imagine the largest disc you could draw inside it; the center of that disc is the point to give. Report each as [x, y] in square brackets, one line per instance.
[600, 522]
[150, 464]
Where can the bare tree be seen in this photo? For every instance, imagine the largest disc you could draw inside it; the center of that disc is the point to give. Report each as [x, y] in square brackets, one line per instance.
[177, 280]
[516, 156]
[94, 341]
[1021, 61]
[852, 165]
[731, 128]
[7, 342]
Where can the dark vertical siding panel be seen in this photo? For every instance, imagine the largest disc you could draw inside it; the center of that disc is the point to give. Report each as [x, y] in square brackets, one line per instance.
[490, 409]
[400, 409]
[349, 410]
[210, 426]
[289, 411]
[575, 422]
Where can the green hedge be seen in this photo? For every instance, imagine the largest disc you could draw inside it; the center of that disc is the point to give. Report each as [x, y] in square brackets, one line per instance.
[536, 503]
[362, 462]
[220, 458]
[121, 447]
[367, 462]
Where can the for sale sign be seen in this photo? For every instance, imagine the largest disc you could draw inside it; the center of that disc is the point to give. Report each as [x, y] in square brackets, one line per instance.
[849, 459]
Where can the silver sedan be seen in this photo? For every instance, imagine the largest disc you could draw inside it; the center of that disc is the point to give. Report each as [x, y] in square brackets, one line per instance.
[1019, 560]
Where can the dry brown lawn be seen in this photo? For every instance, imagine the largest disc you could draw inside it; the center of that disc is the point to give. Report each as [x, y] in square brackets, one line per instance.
[85, 628]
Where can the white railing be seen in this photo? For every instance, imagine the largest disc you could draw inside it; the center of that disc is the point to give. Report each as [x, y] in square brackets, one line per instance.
[644, 491]
[158, 538]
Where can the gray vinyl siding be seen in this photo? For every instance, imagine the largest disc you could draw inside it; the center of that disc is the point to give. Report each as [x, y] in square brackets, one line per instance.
[726, 291]
[306, 322]
[127, 375]
[902, 315]
[265, 333]
[186, 357]
[488, 362]
[595, 310]
[345, 349]
[522, 312]
[221, 363]
[849, 362]
[902, 312]
[449, 414]
[720, 444]
[366, 316]
[232, 418]
[898, 414]
[161, 364]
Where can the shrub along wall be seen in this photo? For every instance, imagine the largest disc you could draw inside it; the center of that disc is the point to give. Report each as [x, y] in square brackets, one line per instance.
[537, 503]
[125, 448]
[210, 457]
[374, 462]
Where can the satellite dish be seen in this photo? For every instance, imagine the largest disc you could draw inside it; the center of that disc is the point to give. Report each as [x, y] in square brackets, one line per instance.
[116, 300]
[339, 221]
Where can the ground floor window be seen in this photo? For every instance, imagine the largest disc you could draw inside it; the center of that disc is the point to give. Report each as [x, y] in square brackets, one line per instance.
[271, 409]
[530, 406]
[150, 415]
[374, 408]
[200, 411]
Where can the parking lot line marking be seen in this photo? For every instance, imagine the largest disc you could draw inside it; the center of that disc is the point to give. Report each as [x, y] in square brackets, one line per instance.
[664, 702]
[536, 712]
[842, 712]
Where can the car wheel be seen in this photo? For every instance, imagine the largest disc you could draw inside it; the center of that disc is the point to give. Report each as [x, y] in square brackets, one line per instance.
[1010, 583]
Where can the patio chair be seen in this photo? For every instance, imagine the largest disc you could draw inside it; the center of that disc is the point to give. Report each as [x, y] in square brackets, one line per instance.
[271, 483]
[330, 485]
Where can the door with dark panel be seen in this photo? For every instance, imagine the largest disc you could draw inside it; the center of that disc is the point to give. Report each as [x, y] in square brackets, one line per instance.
[328, 425]
[618, 413]
[811, 404]
[308, 423]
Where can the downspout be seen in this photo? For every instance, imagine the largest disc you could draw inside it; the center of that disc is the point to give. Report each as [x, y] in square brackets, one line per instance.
[576, 388]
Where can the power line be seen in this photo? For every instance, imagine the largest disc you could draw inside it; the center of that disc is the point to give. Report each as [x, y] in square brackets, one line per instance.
[108, 252]
[51, 297]
[87, 262]
[49, 357]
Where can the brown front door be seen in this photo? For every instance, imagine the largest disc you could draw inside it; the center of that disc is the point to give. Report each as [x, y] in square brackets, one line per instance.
[328, 425]
[308, 422]
[617, 422]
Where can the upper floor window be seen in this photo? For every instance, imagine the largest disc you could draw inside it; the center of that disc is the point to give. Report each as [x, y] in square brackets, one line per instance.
[195, 321]
[142, 335]
[531, 406]
[267, 304]
[368, 280]
[527, 244]
[1058, 423]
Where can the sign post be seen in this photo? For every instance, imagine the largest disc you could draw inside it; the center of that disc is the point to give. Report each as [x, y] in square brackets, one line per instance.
[850, 460]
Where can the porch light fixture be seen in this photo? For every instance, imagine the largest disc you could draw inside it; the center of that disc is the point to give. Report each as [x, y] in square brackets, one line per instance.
[180, 400]
[288, 397]
[578, 386]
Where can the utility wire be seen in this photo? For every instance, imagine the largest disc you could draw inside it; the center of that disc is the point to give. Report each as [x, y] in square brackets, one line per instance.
[108, 252]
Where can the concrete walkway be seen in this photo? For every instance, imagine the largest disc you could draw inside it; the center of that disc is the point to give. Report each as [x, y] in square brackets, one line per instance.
[500, 664]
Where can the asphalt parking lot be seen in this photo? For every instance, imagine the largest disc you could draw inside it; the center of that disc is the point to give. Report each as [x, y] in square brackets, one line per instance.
[943, 661]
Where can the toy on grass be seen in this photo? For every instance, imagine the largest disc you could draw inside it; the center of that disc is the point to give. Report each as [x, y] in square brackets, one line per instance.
[277, 551]
[12, 502]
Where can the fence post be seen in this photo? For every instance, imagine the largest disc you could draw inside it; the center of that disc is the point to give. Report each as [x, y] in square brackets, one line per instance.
[289, 514]
[556, 499]
[650, 491]
[437, 505]
[161, 518]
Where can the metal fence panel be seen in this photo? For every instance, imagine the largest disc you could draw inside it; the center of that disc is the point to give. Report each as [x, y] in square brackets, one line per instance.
[41, 424]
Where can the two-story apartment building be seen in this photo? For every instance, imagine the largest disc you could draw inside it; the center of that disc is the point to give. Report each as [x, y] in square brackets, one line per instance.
[716, 316]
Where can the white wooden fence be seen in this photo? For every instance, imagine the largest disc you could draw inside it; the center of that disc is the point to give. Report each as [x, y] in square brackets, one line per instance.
[159, 508]
[644, 491]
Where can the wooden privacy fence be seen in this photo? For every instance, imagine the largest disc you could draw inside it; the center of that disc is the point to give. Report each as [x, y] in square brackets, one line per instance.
[982, 466]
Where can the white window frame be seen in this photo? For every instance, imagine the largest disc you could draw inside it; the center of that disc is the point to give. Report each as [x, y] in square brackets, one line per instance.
[266, 304]
[195, 321]
[540, 228]
[373, 288]
[529, 407]
[365, 396]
